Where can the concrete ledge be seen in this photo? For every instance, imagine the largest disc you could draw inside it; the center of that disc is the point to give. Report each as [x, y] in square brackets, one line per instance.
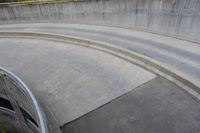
[133, 57]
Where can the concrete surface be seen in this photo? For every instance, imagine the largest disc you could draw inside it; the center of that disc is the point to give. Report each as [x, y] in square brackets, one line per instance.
[69, 80]
[158, 106]
[179, 56]
[177, 18]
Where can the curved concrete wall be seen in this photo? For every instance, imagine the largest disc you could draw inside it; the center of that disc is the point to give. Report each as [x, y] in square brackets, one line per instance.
[177, 18]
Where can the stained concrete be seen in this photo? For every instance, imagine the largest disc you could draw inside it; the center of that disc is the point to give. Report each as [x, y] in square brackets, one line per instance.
[158, 106]
[69, 80]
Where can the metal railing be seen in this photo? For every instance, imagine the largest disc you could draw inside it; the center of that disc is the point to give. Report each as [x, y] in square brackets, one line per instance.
[25, 105]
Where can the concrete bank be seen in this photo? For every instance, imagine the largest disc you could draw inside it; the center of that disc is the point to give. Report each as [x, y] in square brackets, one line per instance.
[177, 18]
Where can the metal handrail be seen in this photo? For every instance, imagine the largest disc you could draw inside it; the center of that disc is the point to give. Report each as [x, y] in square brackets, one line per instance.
[41, 117]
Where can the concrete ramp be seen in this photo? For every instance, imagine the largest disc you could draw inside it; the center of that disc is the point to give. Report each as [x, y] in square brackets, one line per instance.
[70, 80]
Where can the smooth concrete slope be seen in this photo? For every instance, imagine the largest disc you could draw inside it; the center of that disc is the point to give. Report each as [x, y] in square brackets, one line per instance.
[178, 56]
[69, 80]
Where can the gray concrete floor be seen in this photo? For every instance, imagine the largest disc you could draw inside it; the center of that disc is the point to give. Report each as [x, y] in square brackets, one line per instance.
[158, 106]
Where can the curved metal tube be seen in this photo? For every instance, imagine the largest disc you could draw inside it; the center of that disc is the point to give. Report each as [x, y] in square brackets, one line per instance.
[41, 117]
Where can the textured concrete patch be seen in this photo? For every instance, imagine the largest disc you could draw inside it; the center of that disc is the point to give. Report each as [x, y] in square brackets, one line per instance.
[158, 106]
[70, 80]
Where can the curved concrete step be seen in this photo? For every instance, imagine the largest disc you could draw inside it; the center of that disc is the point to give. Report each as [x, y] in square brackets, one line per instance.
[179, 56]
